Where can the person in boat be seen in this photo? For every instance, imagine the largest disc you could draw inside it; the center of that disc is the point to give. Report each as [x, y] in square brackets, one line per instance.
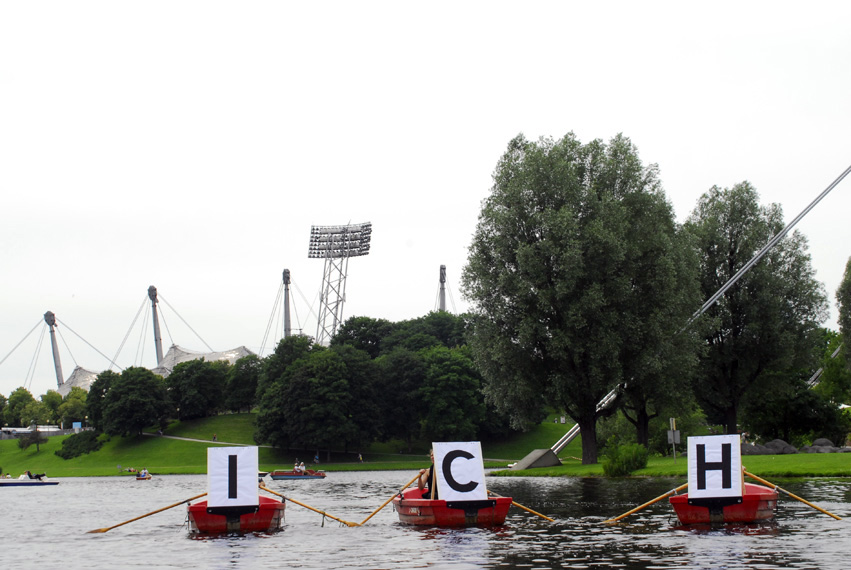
[38, 476]
[302, 468]
[425, 482]
[143, 472]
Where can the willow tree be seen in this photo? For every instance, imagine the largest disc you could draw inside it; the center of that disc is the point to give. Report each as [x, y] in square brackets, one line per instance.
[575, 278]
[765, 326]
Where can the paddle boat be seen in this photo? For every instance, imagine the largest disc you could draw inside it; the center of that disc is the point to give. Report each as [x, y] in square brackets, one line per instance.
[265, 517]
[757, 504]
[307, 474]
[25, 481]
[144, 477]
[415, 510]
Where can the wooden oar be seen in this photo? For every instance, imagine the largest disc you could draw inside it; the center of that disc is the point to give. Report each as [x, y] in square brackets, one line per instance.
[648, 503]
[518, 505]
[147, 515]
[393, 496]
[323, 513]
[772, 485]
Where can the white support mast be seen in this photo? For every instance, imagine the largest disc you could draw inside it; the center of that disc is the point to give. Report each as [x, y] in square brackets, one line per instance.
[50, 319]
[158, 340]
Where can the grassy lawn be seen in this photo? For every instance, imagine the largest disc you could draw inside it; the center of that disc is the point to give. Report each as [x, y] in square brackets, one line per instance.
[162, 455]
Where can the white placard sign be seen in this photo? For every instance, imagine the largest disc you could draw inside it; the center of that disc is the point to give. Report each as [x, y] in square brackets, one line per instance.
[460, 471]
[232, 476]
[715, 467]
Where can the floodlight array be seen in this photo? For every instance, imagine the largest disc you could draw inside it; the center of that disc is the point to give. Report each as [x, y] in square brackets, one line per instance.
[339, 241]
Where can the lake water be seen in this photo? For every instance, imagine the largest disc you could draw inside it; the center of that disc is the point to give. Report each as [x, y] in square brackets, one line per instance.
[46, 528]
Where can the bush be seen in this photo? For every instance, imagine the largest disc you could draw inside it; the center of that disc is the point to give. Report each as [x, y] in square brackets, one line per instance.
[79, 444]
[621, 460]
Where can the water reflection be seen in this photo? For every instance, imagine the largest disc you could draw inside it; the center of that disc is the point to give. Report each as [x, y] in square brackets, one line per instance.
[47, 527]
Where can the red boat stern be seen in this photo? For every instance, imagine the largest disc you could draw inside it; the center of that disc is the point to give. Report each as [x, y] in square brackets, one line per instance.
[266, 518]
[758, 503]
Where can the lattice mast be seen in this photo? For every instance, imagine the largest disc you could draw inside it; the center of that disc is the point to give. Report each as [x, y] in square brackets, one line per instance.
[158, 339]
[335, 244]
[50, 319]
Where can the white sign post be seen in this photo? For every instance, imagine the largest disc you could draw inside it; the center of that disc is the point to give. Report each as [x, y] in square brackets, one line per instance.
[460, 471]
[715, 467]
[232, 477]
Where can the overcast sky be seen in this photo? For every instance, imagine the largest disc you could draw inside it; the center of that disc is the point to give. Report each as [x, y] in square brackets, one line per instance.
[191, 145]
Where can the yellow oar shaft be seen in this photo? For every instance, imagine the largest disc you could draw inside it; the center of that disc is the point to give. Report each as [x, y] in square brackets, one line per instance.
[527, 509]
[648, 503]
[97, 530]
[323, 513]
[796, 497]
[390, 499]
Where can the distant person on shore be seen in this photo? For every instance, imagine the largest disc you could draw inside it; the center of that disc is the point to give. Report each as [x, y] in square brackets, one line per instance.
[215, 437]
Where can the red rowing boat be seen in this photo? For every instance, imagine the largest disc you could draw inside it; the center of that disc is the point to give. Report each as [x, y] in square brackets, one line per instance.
[757, 503]
[265, 517]
[308, 474]
[415, 510]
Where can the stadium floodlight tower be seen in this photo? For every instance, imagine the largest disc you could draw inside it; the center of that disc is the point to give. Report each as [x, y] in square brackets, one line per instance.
[335, 244]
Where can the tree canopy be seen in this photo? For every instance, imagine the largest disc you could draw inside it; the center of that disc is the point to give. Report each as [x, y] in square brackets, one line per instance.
[562, 270]
[135, 399]
[764, 324]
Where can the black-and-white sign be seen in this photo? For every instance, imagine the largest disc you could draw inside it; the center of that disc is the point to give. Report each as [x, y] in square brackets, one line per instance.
[460, 471]
[232, 476]
[715, 467]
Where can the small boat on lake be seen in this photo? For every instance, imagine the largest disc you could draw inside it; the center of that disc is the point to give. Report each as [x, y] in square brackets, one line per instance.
[144, 477]
[27, 482]
[415, 510]
[265, 517]
[757, 503]
[307, 474]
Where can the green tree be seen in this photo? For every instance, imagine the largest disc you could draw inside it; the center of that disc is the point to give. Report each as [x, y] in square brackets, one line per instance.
[52, 400]
[288, 350]
[765, 323]
[18, 401]
[568, 247]
[243, 376]
[363, 333]
[783, 406]
[196, 388]
[136, 399]
[401, 374]
[321, 400]
[451, 395]
[97, 396]
[73, 407]
[35, 412]
[843, 302]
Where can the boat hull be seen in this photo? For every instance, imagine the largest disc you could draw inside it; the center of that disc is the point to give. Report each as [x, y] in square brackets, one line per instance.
[267, 518]
[415, 510]
[758, 504]
[145, 478]
[292, 475]
[25, 483]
